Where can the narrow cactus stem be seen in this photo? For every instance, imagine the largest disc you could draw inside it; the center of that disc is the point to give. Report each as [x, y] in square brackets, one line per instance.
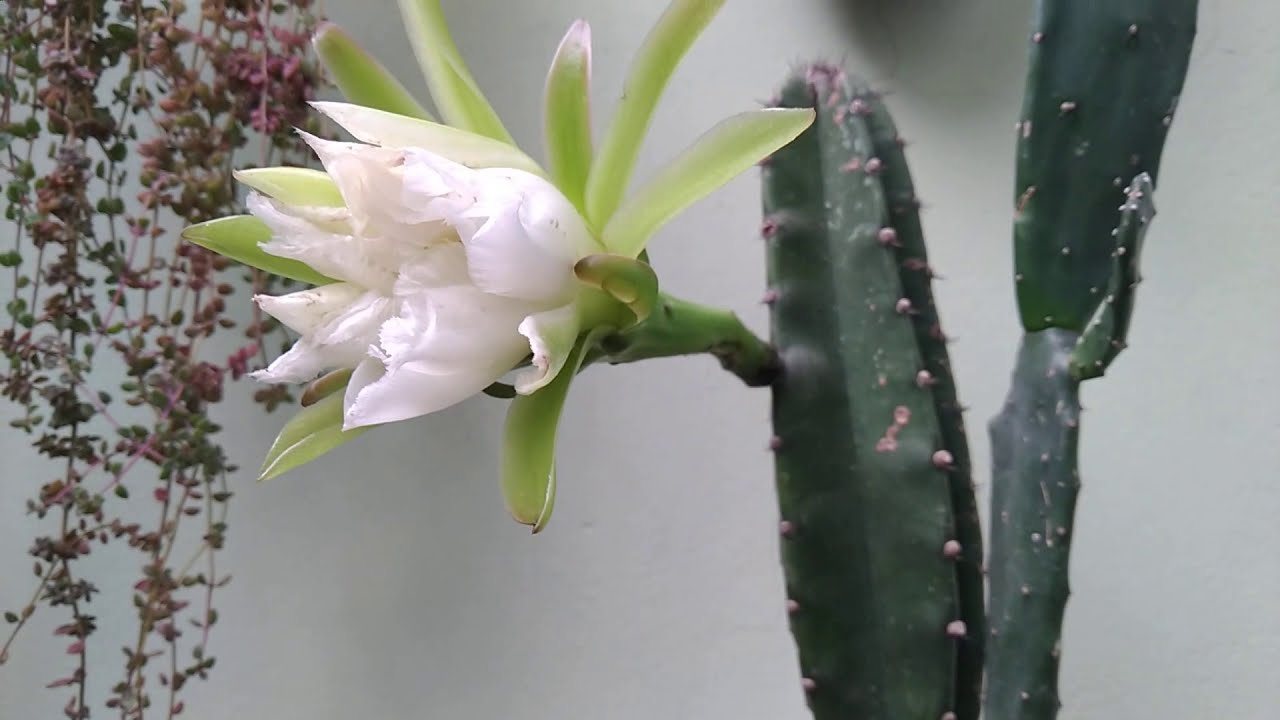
[862, 472]
[935, 373]
[1108, 332]
[1034, 486]
[679, 327]
[1102, 86]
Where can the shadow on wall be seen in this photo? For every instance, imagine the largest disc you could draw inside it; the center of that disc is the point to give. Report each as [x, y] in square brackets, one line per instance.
[927, 47]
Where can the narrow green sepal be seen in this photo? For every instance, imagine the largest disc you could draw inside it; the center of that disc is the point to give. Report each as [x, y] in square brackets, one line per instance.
[454, 91]
[1105, 336]
[238, 237]
[567, 108]
[293, 185]
[324, 386]
[361, 78]
[663, 49]
[528, 458]
[627, 280]
[313, 432]
[721, 154]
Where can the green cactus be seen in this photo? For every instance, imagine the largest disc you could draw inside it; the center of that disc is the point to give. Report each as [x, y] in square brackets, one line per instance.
[870, 452]
[1102, 87]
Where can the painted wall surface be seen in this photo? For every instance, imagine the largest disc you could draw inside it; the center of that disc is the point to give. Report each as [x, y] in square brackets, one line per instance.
[388, 582]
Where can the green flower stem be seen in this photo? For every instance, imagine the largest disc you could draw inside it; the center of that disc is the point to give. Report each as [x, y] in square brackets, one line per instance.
[679, 327]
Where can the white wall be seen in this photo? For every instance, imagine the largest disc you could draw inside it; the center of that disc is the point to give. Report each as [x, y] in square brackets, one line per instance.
[388, 582]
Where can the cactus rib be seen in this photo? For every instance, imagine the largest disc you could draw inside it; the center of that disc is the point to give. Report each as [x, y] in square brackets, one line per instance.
[917, 283]
[862, 477]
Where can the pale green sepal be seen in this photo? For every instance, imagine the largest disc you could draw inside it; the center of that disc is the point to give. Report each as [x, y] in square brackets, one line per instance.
[379, 127]
[528, 457]
[361, 78]
[725, 151]
[452, 88]
[238, 236]
[314, 431]
[663, 49]
[567, 108]
[293, 185]
[627, 280]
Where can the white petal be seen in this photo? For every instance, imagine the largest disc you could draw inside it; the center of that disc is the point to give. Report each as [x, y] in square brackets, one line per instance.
[375, 396]
[444, 345]
[306, 310]
[301, 363]
[335, 337]
[339, 256]
[440, 265]
[551, 335]
[369, 178]
[522, 238]
[353, 331]
[434, 188]
[398, 131]
[446, 330]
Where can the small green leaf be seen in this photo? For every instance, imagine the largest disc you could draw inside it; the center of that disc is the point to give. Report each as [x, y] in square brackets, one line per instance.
[453, 90]
[567, 107]
[314, 431]
[528, 458]
[627, 280]
[651, 69]
[238, 237]
[397, 131]
[714, 159]
[360, 77]
[293, 185]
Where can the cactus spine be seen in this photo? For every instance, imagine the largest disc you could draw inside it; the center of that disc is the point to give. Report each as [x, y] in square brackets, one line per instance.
[880, 541]
[1102, 87]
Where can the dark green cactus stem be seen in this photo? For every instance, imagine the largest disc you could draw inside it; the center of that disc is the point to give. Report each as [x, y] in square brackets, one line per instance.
[917, 283]
[869, 536]
[1102, 86]
[1034, 458]
[1103, 83]
[1033, 500]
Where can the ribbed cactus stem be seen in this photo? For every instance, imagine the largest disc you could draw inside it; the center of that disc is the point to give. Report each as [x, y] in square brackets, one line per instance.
[865, 469]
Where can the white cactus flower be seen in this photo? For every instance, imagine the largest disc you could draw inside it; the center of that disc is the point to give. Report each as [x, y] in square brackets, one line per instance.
[442, 256]
[448, 277]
